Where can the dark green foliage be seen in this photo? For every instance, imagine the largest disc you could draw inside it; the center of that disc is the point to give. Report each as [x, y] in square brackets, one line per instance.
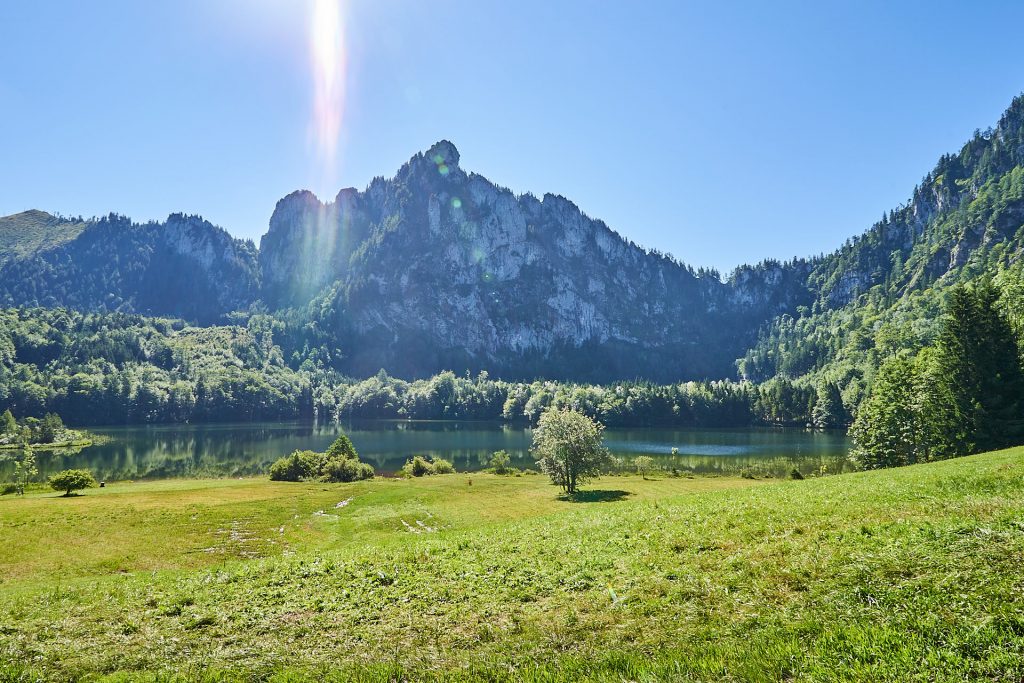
[49, 427]
[828, 411]
[298, 466]
[346, 469]
[887, 431]
[342, 449]
[979, 375]
[71, 480]
[339, 464]
[442, 466]
[960, 397]
[417, 466]
[115, 368]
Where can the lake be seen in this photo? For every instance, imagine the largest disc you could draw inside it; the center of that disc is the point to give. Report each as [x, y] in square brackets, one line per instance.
[226, 450]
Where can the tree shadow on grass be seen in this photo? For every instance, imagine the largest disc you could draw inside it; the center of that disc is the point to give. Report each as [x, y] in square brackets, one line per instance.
[599, 496]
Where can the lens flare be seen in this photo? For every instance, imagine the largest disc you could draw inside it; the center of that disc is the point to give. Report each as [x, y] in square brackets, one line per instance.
[327, 43]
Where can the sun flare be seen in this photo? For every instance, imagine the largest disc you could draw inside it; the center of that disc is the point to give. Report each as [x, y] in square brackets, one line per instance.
[327, 47]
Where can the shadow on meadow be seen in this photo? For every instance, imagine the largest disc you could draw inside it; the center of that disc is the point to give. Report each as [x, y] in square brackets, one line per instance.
[599, 496]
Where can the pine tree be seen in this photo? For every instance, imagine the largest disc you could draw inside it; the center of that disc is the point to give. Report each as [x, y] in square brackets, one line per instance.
[980, 381]
[957, 373]
[999, 369]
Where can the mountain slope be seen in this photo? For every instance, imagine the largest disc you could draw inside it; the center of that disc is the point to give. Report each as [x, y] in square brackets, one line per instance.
[23, 234]
[883, 292]
[185, 267]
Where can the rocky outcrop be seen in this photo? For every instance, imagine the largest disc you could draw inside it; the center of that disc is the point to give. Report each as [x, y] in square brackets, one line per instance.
[438, 266]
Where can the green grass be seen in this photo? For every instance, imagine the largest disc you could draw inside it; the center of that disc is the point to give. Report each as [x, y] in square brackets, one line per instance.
[909, 574]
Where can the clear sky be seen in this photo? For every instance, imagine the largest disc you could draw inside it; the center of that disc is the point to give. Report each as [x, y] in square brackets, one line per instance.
[722, 132]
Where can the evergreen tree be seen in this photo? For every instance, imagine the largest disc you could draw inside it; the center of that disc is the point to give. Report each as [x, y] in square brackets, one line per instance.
[979, 375]
[1001, 379]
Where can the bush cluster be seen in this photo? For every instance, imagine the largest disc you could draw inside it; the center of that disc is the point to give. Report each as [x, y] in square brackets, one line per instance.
[418, 466]
[339, 464]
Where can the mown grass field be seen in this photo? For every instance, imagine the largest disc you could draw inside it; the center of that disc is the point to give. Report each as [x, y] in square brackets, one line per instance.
[909, 574]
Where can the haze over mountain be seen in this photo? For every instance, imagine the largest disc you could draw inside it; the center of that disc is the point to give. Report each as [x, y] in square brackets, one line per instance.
[439, 268]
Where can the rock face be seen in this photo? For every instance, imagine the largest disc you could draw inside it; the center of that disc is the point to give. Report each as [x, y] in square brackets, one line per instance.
[440, 268]
[185, 268]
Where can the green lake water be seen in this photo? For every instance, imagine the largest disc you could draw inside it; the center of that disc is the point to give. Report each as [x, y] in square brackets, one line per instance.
[224, 450]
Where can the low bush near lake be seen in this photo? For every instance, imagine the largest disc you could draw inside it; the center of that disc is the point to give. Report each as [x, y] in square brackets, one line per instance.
[339, 464]
[418, 466]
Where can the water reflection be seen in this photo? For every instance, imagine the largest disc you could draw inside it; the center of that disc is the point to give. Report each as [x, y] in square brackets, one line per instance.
[232, 450]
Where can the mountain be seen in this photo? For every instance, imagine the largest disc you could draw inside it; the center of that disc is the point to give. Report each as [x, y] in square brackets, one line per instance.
[883, 292]
[439, 268]
[184, 267]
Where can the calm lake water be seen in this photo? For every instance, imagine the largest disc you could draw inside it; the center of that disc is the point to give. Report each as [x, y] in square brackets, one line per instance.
[224, 450]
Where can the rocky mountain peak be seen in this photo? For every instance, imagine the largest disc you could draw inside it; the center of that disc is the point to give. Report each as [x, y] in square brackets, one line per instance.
[443, 153]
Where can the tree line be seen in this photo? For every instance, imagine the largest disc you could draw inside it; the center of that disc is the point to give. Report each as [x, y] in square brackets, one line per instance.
[112, 368]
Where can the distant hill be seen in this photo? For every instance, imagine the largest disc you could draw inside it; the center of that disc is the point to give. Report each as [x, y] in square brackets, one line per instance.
[184, 267]
[23, 234]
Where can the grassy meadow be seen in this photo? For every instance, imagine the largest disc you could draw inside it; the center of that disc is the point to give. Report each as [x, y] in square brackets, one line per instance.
[915, 573]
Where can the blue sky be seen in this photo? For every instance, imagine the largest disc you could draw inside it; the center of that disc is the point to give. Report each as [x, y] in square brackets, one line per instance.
[722, 132]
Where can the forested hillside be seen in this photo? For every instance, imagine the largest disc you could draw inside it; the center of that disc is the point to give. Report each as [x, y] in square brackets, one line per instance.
[884, 292]
[184, 267]
[108, 368]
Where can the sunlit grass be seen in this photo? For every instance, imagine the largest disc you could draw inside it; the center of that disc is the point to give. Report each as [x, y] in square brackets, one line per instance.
[893, 575]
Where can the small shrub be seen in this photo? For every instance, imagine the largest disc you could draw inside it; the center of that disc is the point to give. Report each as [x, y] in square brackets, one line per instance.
[795, 474]
[499, 462]
[299, 466]
[347, 470]
[339, 464]
[418, 466]
[72, 480]
[644, 464]
[442, 466]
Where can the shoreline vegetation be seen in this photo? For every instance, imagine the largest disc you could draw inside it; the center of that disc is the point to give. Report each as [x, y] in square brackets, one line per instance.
[42, 434]
[637, 577]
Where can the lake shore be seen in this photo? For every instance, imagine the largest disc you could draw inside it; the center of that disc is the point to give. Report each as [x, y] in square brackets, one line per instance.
[472, 576]
[73, 443]
[247, 449]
